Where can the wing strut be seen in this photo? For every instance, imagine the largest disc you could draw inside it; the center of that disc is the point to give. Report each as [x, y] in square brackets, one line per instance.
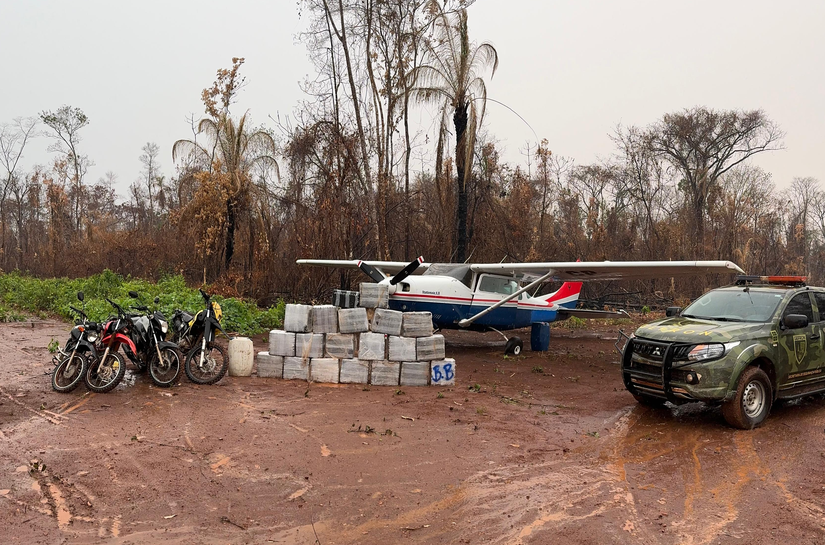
[467, 321]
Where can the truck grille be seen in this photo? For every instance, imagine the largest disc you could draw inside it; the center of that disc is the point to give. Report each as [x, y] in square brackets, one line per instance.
[642, 366]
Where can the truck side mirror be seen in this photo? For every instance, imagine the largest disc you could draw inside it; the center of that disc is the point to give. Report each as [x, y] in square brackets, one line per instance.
[673, 311]
[795, 321]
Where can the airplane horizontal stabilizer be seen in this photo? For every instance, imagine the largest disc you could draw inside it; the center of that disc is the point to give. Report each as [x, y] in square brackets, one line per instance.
[565, 313]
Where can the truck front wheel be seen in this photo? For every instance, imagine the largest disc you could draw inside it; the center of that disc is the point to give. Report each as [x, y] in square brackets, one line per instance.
[752, 402]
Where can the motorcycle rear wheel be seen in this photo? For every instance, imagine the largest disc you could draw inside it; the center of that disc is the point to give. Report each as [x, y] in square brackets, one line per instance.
[211, 369]
[69, 373]
[107, 376]
[166, 369]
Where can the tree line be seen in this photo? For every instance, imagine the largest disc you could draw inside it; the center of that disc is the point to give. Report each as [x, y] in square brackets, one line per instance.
[351, 175]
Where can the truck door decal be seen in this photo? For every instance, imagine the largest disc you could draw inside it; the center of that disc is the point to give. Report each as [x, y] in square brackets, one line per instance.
[800, 347]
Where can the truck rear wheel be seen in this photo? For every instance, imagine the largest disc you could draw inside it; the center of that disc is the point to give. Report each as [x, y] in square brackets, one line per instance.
[750, 406]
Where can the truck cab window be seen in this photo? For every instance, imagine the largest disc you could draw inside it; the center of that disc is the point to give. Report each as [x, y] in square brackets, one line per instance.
[800, 304]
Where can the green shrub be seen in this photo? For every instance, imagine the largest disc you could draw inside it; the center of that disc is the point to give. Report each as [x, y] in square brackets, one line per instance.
[21, 292]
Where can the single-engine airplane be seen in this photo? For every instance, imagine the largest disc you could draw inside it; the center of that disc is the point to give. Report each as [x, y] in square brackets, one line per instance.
[496, 296]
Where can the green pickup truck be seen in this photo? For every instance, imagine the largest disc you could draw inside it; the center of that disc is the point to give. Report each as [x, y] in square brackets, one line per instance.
[743, 346]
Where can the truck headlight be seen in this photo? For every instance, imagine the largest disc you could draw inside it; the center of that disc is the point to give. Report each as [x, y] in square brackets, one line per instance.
[704, 352]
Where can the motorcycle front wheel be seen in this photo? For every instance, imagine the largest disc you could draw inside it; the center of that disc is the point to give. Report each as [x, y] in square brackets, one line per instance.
[165, 369]
[206, 366]
[105, 377]
[69, 373]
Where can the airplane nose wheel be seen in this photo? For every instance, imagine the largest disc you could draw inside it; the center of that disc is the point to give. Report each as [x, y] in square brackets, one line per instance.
[513, 346]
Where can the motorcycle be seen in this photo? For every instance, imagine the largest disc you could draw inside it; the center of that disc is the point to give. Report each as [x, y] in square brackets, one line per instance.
[206, 361]
[105, 373]
[72, 361]
[152, 350]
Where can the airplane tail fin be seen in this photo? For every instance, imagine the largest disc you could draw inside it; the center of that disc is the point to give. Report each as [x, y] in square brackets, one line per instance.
[566, 295]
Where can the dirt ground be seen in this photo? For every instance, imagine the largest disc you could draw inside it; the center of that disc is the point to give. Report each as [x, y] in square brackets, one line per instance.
[544, 448]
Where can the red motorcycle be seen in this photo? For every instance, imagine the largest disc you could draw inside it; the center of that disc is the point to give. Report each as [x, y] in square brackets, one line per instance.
[107, 372]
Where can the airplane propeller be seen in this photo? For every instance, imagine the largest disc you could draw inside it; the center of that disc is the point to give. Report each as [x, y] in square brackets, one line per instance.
[407, 271]
[377, 276]
[371, 271]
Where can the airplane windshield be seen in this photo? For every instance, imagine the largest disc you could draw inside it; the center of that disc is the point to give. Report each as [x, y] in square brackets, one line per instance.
[458, 271]
[735, 305]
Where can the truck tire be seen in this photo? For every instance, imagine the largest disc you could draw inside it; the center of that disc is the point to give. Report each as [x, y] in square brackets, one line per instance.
[752, 403]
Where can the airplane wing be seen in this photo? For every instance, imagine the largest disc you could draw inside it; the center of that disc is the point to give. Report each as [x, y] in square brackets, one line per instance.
[387, 267]
[610, 270]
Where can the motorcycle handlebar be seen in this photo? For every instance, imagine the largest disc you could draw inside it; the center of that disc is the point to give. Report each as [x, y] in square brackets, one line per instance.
[80, 312]
[118, 307]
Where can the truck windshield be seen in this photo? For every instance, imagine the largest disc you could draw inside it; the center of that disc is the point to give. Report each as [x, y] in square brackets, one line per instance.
[743, 305]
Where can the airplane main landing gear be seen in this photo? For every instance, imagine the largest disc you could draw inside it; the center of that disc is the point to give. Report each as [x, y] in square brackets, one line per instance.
[513, 346]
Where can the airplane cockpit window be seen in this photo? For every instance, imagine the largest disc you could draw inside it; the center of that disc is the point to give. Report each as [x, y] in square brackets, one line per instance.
[459, 271]
[497, 284]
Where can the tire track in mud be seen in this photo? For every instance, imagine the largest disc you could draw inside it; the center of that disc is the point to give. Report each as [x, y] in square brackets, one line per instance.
[512, 504]
[45, 415]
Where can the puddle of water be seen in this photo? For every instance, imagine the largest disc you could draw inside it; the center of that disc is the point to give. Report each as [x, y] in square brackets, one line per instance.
[64, 517]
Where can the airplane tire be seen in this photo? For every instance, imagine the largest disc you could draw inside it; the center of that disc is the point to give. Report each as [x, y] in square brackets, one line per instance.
[513, 346]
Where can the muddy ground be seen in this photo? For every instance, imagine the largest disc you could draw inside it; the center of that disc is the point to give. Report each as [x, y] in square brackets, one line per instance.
[545, 448]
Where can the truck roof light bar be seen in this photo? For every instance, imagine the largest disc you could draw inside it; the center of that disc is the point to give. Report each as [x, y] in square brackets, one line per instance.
[777, 280]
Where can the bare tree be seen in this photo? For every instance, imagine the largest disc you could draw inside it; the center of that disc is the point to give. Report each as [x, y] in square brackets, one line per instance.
[644, 176]
[150, 176]
[800, 197]
[703, 144]
[13, 139]
[65, 124]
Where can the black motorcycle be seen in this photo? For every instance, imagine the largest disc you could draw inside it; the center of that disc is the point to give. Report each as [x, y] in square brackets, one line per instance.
[152, 350]
[206, 361]
[72, 361]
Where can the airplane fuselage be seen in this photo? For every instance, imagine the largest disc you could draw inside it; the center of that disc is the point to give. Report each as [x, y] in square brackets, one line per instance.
[451, 300]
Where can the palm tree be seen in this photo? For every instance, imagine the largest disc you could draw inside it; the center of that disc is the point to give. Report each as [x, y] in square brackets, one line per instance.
[453, 78]
[234, 150]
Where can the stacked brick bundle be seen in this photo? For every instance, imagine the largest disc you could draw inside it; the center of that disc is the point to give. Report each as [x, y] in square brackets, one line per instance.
[361, 345]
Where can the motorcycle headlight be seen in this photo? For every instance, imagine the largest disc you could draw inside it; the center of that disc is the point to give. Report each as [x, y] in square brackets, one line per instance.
[164, 326]
[91, 336]
[703, 352]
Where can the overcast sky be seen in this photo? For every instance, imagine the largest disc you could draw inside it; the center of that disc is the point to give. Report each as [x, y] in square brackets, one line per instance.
[572, 69]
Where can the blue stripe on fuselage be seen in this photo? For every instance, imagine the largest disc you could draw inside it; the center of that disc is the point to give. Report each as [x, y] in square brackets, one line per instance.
[447, 315]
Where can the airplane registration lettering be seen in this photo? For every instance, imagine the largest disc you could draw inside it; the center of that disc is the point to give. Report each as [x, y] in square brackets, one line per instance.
[425, 292]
